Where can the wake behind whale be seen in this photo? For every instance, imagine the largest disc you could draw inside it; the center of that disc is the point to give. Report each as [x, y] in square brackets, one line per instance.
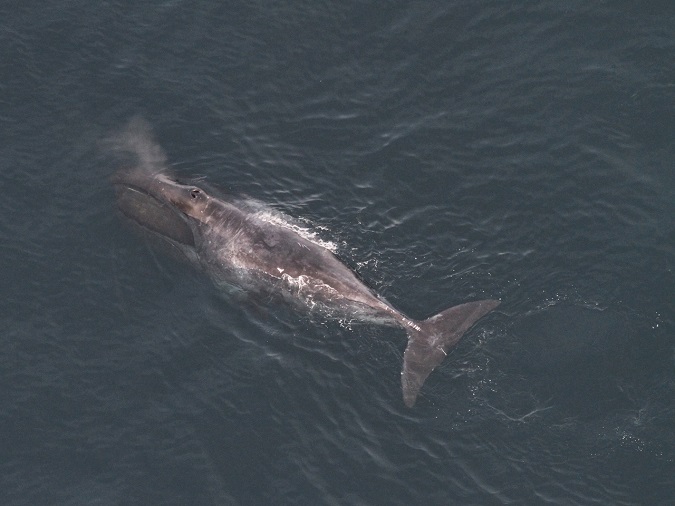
[237, 244]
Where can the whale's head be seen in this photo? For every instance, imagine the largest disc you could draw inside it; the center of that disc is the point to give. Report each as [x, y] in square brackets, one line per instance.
[162, 204]
[148, 193]
[190, 200]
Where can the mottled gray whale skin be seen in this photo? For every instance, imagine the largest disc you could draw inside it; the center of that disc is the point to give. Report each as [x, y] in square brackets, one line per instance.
[237, 244]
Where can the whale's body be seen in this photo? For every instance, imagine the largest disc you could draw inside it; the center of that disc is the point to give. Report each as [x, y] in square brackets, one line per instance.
[237, 244]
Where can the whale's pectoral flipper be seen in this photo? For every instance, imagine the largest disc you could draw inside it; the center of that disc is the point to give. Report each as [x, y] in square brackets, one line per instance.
[428, 346]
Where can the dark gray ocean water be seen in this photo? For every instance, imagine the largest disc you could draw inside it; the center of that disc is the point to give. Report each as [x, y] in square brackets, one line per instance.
[452, 151]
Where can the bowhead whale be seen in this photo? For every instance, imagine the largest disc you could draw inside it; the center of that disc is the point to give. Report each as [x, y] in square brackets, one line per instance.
[235, 244]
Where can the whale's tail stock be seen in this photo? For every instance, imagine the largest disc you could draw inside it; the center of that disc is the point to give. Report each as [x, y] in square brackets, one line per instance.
[429, 341]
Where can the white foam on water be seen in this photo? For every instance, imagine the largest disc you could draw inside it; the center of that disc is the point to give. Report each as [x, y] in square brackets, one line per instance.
[280, 220]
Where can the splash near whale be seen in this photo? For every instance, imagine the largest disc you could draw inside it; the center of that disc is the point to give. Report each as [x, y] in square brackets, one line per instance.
[236, 243]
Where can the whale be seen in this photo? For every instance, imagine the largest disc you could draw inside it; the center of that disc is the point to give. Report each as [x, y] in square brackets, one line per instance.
[234, 241]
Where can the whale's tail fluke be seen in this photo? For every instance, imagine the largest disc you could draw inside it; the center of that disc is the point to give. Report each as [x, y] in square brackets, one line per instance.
[428, 346]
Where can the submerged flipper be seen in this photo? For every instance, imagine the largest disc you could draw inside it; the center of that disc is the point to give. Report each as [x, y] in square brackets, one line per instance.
[428, 346]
